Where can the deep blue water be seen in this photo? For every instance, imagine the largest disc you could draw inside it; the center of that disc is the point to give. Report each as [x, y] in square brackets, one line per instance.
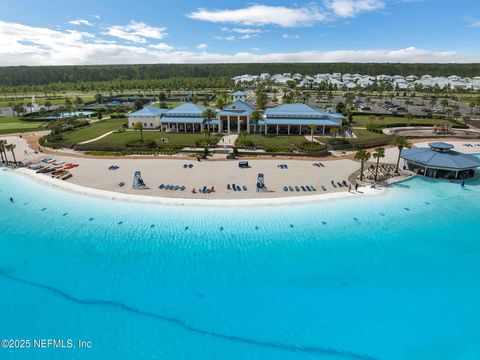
[389, 277]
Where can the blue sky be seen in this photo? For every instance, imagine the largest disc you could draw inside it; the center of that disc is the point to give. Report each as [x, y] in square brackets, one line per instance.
[107, 31]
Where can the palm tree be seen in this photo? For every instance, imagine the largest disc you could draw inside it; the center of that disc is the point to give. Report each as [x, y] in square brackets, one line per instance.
[12, 147]
[313, 130]
[256, 116]
[334, 132]
[2, 150]
[363, 156]
[208, 115]
[379, 153]
[401, 142]
[243, 135]
[139, 126]
[207, 134]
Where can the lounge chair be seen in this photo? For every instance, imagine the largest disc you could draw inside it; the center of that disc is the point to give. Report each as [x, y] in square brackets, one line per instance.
[324, 188]
[244, 188]
[333, 184]
[190, 166]
[121, 184]
[308, 188]
[285, 188]
[297, 188]
[228, 187]
[161, 186]
[290, 188]
[313, 188]
[303, 188]
[182, 188]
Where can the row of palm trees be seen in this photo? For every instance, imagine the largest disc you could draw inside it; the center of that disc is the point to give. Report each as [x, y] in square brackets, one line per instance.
[362, 155]
[4, 147]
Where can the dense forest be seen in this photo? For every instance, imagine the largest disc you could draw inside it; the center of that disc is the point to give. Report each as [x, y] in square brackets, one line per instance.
[43, 75]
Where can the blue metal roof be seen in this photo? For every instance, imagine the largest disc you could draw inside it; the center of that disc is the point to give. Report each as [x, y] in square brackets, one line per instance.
[301, 121]
[237, 107]
[187, 108]
[441, 159]
[239, 93]
[186, 119]
[299, 110]
[149, 111]
[441, 146]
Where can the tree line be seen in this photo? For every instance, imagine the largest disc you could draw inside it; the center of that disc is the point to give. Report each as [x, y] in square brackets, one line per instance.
[44, 75]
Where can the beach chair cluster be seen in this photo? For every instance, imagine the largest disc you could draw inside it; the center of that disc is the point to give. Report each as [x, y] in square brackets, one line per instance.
[187, 166]
[172, 187]
[385, 171]
[283, 166]
[235, 187]
[113, 167]
[319, 165]
[339, 184]
[204, 190]
[138, 183]
[307, 188]
[471, 145]
[56, 169]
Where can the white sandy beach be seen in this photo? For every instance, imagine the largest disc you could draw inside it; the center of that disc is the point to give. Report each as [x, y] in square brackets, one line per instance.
[93, 177]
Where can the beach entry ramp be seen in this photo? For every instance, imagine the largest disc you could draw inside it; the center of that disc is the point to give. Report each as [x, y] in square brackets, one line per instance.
[138, 183]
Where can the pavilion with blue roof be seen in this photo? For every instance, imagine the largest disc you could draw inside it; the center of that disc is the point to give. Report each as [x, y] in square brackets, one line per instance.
[187, 117]
[149, 117]
[297, 119]
[440, 161]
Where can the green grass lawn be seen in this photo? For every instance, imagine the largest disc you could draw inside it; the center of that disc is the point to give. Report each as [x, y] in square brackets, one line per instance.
[280, 141]
[182, 139]
[364, 120]
[92, 131]
[11, 124]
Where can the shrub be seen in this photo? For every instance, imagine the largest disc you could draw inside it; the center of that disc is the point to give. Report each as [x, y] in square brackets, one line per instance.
[140, 143]
[312, 146]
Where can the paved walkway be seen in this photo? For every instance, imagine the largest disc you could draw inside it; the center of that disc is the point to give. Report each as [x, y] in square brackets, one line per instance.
[97, 138]
[228, 140]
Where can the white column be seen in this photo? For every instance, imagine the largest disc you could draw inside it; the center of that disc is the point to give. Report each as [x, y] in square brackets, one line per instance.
[300, 131]
[238, 124]
[220, 125]
[185, 127]
[266, 128]
[228, 124]
[201, 127]
[277, 128]
[288, 129]
[248, 124]
[323, 130]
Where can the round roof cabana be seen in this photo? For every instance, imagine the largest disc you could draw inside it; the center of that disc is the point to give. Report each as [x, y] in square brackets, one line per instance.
[440, 161]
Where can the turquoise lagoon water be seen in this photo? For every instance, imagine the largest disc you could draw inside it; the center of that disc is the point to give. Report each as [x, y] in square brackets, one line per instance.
[388, 277]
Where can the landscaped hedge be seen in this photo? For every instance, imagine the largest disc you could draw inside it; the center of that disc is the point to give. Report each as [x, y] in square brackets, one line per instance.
[309, 146]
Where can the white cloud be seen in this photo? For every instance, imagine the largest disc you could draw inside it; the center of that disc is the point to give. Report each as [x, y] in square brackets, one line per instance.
[228, 38]
[248, 36]
[28, 45]
[136, 32]
[96, 16]
[81, 22]
[473, 22]
[162, 46]
[242, 30]
[258, 15]
[202, 46]
[351, 8]
[290, 36]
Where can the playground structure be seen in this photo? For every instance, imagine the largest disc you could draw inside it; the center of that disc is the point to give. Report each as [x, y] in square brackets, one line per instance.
[442, 128]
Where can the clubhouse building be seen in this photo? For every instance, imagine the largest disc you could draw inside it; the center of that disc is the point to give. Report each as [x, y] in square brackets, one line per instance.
[286, 119]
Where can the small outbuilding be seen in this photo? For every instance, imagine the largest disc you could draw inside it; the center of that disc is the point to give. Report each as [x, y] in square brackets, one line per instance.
[440, 161]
